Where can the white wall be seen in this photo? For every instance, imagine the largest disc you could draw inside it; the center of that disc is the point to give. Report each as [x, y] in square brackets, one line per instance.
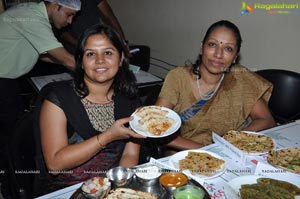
[174, 29]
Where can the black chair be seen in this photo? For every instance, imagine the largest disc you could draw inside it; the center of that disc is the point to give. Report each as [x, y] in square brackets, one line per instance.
[152, 95]
[141, 57]
[285, 100]
[152, 147]
[21, 158]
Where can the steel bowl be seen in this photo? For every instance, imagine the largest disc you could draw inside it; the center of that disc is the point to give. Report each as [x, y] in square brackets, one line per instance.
[148, 175]
[120, 176]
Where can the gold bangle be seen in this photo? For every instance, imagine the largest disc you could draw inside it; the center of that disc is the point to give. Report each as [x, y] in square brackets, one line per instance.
[101, 145]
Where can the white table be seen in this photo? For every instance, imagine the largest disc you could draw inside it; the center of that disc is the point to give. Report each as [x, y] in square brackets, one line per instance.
[287, 135]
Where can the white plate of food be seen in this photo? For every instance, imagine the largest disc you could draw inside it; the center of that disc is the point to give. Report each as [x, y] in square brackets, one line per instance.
[251, 143]
[155, 121]
[201, 163]
[246, 186]
[286, 158]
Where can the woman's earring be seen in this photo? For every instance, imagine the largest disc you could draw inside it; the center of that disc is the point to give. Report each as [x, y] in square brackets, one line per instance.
[234, 61]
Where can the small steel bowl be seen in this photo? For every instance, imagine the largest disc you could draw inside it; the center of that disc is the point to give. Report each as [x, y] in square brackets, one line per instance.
[171, 180]
[148, 175]
[189, 191]
[120, 176]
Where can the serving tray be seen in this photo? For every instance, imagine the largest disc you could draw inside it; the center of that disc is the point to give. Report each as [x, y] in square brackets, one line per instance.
[155, 189]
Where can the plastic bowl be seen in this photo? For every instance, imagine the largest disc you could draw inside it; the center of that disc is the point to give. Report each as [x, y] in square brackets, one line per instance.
[96, 188]
[148, 175]
[189, 191]
[172, 180]
[120, 176]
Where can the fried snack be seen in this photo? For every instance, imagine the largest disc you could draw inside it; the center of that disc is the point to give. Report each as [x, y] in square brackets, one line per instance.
[287, 159]
[154, 120]
[151, 110]
[126, 193]
[201, 163]
[250, 142]
[158, 126]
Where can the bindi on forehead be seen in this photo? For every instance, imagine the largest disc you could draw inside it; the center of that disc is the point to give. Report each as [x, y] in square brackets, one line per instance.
[225, 43]
[221, 42]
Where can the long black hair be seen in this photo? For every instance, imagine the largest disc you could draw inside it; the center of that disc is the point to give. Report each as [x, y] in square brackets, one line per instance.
[124, 81]
[223, 23]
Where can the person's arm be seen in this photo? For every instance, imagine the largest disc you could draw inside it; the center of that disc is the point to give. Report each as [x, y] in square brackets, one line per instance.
[109, 16]
[179, 142]
[67, 37]
[261, 117]
[61, 56]
[164, 102]
[58, 154]
[130, 156]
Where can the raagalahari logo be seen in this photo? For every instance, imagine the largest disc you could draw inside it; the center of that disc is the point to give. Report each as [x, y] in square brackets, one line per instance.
[246, 8]
[271, 8]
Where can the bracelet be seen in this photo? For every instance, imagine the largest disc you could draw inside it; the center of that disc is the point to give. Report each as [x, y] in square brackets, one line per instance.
[101, 145]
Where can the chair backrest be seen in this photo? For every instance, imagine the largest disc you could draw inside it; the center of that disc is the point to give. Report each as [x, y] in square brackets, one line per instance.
[22, 165]
[152, 95]
[141, 57]
[152, 147]
[285, 100]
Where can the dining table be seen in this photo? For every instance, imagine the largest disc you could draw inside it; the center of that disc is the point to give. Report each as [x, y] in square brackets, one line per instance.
[218, 187]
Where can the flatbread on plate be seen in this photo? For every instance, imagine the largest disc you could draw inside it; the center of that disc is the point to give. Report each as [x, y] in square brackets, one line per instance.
[260, 187]
[287, 159]
[201, 163]
[126, 193]
[154, 119]
[268, 188]
[250, 142]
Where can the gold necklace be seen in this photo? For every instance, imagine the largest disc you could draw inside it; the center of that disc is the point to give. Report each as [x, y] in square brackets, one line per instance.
[210, 94]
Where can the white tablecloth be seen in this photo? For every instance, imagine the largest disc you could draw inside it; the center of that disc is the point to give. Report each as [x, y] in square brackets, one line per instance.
[285, 136]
